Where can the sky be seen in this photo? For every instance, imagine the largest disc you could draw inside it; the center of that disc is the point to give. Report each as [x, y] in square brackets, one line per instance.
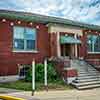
[86, 11]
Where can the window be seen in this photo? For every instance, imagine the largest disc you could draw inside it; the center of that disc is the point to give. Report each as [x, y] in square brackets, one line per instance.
[22, 70]
[24, 38]
[93, 43]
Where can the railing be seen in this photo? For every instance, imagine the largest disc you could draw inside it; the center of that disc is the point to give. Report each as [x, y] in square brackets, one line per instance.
[87, 65]
[61, 63]
[93, 65]
[64, 60]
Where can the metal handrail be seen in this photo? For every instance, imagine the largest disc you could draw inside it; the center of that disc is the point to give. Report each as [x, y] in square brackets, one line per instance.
[93, 66]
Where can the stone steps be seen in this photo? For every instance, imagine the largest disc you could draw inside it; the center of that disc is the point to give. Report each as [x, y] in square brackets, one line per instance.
[86, 83]
[88, 74]
[88, 86]
[88, 77]
[85, 80]
[90, 69]
[85, 71]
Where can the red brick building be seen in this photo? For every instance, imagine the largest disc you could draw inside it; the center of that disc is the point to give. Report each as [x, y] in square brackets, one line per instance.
[24, 36]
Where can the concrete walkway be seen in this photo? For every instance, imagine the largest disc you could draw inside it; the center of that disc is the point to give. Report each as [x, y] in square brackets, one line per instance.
[92, 94]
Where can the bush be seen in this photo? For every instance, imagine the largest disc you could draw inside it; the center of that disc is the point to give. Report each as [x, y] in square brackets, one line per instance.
[52, 74]
[39, 73]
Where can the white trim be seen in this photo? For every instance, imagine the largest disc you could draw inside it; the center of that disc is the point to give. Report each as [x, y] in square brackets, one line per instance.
[64, 28]
[19, 51]
[93, 52]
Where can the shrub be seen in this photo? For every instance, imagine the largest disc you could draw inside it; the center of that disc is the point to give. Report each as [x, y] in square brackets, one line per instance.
[52, 74]
[39, 73]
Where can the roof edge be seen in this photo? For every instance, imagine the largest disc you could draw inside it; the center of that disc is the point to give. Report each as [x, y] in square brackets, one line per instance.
[26, 16]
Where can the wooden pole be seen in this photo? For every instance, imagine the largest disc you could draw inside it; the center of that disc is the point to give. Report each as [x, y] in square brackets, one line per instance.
[33, 77]
[45, 75]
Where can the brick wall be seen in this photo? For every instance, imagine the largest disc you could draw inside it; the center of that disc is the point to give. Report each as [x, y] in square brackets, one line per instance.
[10, 59]
[95, 58]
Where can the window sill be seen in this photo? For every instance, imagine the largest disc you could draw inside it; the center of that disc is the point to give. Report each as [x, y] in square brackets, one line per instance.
[93, 52]
[19, 51]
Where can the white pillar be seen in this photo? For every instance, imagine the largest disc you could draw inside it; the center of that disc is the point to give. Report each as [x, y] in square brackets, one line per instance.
[33, 76]
[75, 47]
[58, 45]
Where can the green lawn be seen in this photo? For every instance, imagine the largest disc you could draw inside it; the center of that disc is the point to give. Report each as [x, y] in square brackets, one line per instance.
[27, 86]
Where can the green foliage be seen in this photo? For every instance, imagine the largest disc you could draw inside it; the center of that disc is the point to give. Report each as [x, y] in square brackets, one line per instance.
[39, 75]
[52, 74]
[39, 72]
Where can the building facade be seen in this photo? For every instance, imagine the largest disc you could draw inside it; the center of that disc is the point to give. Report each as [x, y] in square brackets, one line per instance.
[24, 36]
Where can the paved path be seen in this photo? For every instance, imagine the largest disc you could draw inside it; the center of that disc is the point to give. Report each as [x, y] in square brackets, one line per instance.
[92, 94]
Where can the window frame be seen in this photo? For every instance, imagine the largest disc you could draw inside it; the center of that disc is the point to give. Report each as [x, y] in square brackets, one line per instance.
[25, 40]
[92, 52]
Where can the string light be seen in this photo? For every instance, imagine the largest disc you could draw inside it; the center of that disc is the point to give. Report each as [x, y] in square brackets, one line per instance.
[37, 27]
[11, 23]
[19, 22]
[31, 23]
[89, 30]
[3, 20]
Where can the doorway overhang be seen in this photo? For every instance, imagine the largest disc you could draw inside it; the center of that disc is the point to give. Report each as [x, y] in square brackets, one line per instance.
[69, 40]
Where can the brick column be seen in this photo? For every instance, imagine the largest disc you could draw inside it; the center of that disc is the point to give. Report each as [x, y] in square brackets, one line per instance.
[58, 45]
[53, 44]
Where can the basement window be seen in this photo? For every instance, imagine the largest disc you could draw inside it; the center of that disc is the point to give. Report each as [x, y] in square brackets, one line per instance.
[24, 38]
[93, 43]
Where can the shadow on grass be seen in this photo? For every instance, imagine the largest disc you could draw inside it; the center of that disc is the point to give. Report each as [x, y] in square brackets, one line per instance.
[27, 86]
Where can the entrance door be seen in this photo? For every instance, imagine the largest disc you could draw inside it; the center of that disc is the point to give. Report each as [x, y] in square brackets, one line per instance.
[67, 50]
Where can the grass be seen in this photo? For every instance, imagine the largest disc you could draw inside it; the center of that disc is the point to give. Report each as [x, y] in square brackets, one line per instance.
[27, 86]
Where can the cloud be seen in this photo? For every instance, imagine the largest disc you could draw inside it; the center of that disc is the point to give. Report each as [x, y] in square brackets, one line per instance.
[87, 11]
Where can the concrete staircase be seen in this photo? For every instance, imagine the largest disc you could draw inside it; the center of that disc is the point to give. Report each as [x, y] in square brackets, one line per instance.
[88, 76]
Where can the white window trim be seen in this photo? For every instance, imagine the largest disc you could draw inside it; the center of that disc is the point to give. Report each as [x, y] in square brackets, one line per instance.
[25, 50]
[93, 52]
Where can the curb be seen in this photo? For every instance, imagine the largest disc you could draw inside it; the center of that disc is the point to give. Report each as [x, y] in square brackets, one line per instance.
[10, 98]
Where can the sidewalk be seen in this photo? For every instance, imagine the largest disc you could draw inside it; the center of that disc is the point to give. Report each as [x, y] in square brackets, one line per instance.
[92, 94]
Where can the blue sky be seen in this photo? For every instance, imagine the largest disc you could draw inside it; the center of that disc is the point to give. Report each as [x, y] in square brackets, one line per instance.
[87, 11]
